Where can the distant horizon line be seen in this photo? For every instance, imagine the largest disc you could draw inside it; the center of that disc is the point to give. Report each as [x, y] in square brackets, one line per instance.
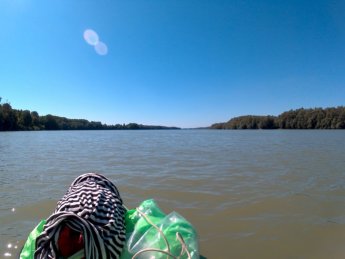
[175, 126]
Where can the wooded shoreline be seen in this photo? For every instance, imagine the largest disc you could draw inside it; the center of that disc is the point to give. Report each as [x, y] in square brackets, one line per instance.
[317, 118]
[25, 120]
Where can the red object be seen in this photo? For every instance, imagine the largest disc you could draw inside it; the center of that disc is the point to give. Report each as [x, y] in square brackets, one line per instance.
[70, 241]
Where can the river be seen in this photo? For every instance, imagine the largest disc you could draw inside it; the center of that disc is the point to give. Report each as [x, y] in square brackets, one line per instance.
[249, 194]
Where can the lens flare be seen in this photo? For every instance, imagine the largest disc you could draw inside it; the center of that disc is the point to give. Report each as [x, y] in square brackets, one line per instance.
[101, 48]
[91, 37]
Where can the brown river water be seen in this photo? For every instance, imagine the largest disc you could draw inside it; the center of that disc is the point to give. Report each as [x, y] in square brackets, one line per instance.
[249, 194]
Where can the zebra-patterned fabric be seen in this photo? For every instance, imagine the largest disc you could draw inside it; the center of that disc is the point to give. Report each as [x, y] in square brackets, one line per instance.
[93, 207]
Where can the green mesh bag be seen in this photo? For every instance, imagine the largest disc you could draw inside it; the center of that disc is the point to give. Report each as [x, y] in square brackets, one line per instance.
[152, 234]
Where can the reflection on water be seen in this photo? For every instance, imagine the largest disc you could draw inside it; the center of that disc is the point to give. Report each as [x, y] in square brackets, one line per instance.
[250, 194]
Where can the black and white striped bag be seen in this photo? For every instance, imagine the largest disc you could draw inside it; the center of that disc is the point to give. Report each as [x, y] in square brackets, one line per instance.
[93, 207]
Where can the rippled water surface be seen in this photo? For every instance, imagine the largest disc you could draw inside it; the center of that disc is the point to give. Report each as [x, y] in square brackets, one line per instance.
[249, 194]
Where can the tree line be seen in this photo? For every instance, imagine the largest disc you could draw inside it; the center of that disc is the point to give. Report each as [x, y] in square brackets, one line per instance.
[317, 118]
[16, 120]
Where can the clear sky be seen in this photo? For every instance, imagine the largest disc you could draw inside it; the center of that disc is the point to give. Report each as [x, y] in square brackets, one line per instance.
[184, 63]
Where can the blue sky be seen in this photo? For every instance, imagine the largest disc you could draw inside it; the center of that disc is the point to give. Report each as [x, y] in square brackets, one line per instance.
[184, 63]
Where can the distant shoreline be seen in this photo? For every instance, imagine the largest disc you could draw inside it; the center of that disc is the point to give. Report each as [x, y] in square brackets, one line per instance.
[317, 118]
[25, 120]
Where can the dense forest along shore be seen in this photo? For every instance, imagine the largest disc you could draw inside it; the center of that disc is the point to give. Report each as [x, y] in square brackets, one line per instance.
[18, 120]
[318, 118]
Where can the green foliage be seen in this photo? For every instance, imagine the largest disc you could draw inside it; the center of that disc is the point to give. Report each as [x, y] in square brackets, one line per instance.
[318, 118]
[248, 122]
[9, 117]
[25, 119]
[12, 119]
